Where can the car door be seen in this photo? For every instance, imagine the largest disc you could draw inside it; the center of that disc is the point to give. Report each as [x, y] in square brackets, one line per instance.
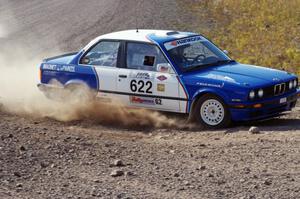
[144, 82]
[103, 57]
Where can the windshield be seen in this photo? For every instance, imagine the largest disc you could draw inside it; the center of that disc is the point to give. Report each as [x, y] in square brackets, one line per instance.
[195, 52]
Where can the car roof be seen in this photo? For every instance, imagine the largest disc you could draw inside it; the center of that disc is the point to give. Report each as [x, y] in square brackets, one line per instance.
[143, 35]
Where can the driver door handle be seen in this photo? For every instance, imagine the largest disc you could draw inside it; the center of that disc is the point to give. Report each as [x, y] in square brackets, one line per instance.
[123, 76]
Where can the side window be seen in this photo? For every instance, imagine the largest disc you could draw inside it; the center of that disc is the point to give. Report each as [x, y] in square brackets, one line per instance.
[144, 56]
[104, 53]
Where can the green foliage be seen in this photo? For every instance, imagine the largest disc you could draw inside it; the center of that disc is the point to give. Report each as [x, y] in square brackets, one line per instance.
[261, 32]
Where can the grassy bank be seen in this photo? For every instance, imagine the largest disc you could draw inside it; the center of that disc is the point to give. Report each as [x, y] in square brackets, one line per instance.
[261, 32]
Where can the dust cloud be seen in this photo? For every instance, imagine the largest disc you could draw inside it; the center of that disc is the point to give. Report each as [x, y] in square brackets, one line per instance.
[3, 33]
[19, 95]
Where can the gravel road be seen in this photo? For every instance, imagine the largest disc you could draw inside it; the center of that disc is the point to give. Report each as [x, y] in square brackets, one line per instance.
[43, 158]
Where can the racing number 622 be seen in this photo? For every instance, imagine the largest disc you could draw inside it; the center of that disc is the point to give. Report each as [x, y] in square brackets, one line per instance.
[138, 86]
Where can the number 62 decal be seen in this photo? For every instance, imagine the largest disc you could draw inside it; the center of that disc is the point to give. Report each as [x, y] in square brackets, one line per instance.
[141, 86]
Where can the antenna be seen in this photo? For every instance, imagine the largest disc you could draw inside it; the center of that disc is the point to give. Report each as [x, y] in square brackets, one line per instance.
[136, 17]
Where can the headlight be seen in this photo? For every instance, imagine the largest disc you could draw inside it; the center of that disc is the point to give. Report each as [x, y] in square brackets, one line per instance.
[252, 94]
[260, 93]
[295, 83]
[291, 85]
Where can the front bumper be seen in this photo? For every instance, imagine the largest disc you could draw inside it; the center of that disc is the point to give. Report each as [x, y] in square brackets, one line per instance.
[267, 109]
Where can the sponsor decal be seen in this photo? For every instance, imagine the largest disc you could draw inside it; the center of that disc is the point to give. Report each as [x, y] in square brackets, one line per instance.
[62, 68]
[158, 101]
[174, 43]
[145, 100]
[140, 75]
[49, 67]
[181, 42]
[275, 79]
[221, 77]
[236, 100]
[161, 87]
[163, 68]
[141, 100]
[211, 85]
[162, 78]
[49, 72]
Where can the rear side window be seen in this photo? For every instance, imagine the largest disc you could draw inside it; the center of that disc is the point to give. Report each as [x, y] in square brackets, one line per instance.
[144, 56]
[104, 53]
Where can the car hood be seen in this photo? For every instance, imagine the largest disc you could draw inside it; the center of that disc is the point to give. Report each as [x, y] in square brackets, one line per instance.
[239, 74]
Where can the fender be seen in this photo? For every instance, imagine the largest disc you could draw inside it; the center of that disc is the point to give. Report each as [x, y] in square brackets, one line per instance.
[77, 58]
[76, 82]
[203, 91]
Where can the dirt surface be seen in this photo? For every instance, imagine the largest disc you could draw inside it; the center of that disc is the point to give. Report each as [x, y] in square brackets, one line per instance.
[44, 158]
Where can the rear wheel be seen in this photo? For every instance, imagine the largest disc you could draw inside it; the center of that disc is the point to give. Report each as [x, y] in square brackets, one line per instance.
[79, 92]
[211, 112]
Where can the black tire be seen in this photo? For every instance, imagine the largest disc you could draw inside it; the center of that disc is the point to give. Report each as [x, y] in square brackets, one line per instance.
[220, 118]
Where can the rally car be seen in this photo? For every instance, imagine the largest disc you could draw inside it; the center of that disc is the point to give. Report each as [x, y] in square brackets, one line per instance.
[173, 71]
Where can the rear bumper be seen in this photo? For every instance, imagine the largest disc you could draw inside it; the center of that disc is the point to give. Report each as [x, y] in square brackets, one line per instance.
[269, 108]
[42, 87]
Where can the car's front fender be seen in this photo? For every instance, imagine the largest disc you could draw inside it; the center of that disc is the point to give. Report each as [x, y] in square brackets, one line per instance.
[217, 92]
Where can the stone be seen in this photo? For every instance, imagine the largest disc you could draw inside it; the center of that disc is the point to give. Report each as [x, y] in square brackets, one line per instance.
[129, 173]
[187, 183]
[247, 170]
[267, 182]
[242, 180]
[17, 174]
[254, 130]
[22, 148]
[116, 173]
[118, 163]
[43, 165]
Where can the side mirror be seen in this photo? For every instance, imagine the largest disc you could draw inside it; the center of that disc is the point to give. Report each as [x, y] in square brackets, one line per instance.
[165, 68]
[85, 60]
[226, 52]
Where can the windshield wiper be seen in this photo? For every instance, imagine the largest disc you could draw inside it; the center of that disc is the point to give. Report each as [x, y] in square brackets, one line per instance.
[222, 62]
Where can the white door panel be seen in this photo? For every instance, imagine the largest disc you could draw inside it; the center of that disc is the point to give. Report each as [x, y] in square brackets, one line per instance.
[149, 89]
[107, 78]
[166, 85]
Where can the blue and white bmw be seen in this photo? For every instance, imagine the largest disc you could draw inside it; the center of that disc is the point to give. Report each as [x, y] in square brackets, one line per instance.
[174, 71]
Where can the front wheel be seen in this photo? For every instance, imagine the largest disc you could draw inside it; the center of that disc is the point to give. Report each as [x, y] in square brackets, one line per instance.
[211, 112]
